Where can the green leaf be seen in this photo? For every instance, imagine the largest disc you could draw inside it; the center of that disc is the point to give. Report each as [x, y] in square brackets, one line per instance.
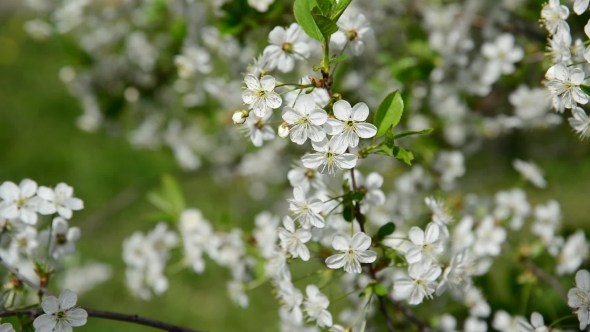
[388, 144]
[172, 191]
[357, 196]
[389, 112]
[586, 89]
[169, 198]
[412, 132]
[380, 290]
[402, 154]
[348, 213]
[340, 8]
[325, 6]
[340, 58]
[302, 10]
[386, 230]
[325, 24]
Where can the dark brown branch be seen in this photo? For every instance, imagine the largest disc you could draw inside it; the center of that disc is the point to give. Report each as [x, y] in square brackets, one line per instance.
[423, 327]
[92, 313]
[35, 312]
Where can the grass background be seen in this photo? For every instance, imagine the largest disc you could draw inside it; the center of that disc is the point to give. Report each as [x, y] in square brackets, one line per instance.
[40, 141]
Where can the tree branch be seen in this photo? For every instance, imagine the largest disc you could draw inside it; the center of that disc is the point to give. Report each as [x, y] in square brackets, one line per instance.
[423, 327]
[35, 312]
[92, 313]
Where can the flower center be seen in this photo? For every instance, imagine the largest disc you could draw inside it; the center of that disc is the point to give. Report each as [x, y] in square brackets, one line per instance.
[61, 239]
[351, 35]
[21, 201]
[287, 47]
[61, 315]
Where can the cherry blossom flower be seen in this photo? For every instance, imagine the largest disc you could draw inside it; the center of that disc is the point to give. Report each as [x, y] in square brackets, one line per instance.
[305, 178]
[354, 30]
[260, 94]
[531, 172]
[354, 251]
[579, 298]
[306, 211]
[260, 5]
[286, 45]
[537, 324]
[6, 327]
[330, 156]
[503, 322]
[580, 122]
[19, 201]
[421, 283]
[349, 125]
[258, 130]
[426, 245]
[501, 54]
[60, 200]
[61, 314]
[293, 241]
[580, 6]
[489, 238]
[564, 85]
[62, 241]
[316, 306]
[306, 120]
[553, 16]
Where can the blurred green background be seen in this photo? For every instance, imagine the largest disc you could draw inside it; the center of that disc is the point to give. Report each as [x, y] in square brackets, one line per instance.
[40, 141]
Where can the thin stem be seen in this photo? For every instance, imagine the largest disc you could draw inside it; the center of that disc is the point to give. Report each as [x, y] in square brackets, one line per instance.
[552, 281]
[23, 279]
[35, 312]
[422, 327]
[562, 319]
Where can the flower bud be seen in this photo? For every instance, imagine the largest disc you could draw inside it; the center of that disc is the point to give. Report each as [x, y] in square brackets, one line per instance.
[239, 117]
[284, 130]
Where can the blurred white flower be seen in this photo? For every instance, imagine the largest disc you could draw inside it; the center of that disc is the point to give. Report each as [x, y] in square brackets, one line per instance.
[579, 298]
[19, 201]
[354, 30]
[420, 284]
[580, 122]
[316, 306]
[531, 172]
[306, 211]
[293, 241]
[425, 245]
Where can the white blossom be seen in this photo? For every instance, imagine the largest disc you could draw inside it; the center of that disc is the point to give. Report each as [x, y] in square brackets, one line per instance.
[260, 94]
[579, 298]
[580, 122]
[293, 241]
[564, 85]
[60, 200]
[531, 172]
[354, 251]
[6, 327]
[19, 201]
[553, 16]
[489, 238]
[286, 45]
[306, 120]
[306, 211]
[329, 157]
[61, 314]
[316, 306]
[354, 30]
[420, 284]
[580, 6]
[537, 324]
[503, 322]
[425, 245]
[349, 124]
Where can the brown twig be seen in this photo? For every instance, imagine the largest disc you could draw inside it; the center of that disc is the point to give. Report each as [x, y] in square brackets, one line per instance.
[92, 313]
[552, 281]
[35, 312]
[423, 327]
